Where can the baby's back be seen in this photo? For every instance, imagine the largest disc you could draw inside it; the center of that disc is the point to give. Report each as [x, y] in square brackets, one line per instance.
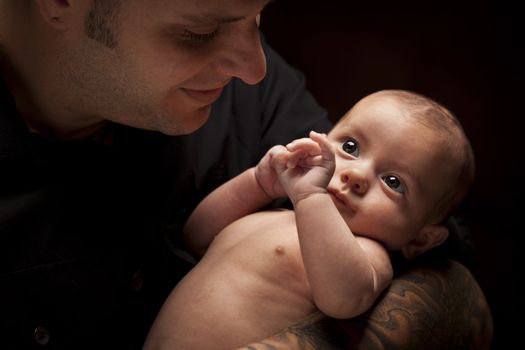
[250, 284]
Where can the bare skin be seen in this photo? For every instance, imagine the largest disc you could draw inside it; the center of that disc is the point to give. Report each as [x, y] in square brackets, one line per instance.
[36, 39]
[265, 270]
[270, 287]
[430, 306]
[438, 305]
[166, 64]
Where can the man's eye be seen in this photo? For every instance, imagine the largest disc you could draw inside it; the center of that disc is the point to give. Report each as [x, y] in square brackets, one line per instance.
[394, 183]
[199, 37]
[351, 147]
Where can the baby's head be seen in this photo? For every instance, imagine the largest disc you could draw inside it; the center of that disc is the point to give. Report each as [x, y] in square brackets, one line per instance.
[403, 164]
[456, 147]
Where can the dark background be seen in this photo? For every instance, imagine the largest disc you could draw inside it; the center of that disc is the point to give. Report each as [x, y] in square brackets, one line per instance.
[468, 56]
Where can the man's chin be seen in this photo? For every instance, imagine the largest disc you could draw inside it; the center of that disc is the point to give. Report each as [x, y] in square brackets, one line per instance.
[188, 124]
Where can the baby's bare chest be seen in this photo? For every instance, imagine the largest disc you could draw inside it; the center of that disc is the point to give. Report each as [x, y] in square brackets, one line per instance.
[264, 245]
[252, 276]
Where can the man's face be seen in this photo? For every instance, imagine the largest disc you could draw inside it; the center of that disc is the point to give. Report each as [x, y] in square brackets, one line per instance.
[171, 60]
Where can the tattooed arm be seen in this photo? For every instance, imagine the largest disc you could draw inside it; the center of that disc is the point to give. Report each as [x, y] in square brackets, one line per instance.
[426, 307]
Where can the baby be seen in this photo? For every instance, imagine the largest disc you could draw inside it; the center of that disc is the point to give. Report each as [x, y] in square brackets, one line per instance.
[384, 179]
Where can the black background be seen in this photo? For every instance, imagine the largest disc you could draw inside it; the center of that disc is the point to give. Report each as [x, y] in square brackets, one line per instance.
[468, 56]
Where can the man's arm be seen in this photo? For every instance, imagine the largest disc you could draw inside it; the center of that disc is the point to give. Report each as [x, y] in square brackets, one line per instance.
[426, 307]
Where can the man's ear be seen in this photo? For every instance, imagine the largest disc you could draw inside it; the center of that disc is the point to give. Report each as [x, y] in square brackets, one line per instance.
[55, 12]
[430, 236]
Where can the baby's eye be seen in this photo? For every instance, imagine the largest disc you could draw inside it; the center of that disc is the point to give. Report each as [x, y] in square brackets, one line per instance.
[351, 147]
[394, 183]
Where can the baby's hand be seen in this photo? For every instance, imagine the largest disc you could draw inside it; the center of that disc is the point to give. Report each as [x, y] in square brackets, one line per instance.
[307, 167]
[266, 175]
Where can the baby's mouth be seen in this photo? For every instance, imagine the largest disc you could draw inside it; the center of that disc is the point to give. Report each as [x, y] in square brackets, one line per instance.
[337, 196]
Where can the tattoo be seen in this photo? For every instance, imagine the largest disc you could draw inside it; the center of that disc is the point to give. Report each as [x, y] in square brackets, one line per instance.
[438, 306]
[307, 335]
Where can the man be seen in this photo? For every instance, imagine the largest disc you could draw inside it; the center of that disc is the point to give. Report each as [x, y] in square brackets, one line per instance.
[113, 116]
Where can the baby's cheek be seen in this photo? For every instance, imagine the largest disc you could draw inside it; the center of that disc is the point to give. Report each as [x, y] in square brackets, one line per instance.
[385, 223]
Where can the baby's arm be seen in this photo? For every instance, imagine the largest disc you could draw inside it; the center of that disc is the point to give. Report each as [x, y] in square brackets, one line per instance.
[238, 197]
[346, 273]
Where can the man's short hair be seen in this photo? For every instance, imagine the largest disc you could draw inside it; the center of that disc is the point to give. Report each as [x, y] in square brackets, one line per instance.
[102, 22]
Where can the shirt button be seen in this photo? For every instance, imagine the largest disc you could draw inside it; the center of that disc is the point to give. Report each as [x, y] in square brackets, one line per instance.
[41, 335]
[137, 281]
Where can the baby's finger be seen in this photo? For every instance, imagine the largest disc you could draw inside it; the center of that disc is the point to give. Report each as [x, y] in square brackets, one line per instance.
[310, 162]
[279, 158]
[275, 150]
[295, 156]
[299, 141]
[324, 144]
[306, 145]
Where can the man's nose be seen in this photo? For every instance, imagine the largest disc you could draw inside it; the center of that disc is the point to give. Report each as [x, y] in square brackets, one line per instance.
[242, 55]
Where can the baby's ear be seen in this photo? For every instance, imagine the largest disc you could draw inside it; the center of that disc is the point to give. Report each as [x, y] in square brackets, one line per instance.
[430, 236]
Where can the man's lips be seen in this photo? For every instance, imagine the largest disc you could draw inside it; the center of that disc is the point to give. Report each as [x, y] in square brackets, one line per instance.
[205, 97]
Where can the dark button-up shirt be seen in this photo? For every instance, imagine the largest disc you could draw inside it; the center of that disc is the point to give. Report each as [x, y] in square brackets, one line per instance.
[88, 231]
